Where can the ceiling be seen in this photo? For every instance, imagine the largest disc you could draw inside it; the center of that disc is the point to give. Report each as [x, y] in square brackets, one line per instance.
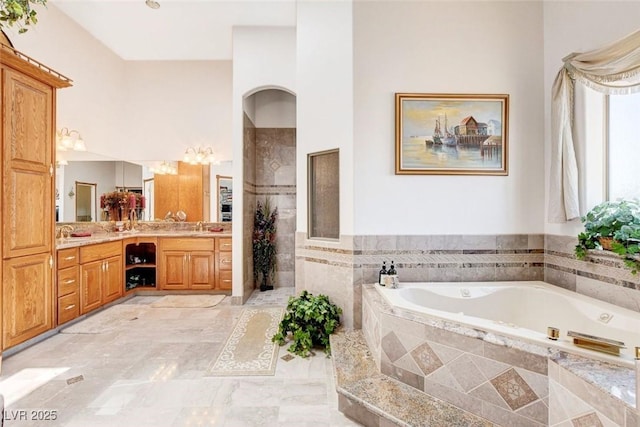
[179, 29]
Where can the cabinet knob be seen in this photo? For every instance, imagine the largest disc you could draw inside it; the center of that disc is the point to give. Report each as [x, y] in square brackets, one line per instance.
[226, 261]
[69, 307]
[69, 258]
[68, 281]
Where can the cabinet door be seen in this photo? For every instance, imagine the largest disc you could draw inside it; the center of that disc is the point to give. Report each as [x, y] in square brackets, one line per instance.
[112, 280]
[190, 190]
[201, 270]
[174, 270]
[165, 197]
[27, 165]
[27, 287]
[91, 286]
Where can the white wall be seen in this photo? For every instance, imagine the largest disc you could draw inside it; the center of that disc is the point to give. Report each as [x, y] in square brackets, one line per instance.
[572, 27]
[171, 105]
[274, 109]
[472, 47]
[325, 102]
[132, 110]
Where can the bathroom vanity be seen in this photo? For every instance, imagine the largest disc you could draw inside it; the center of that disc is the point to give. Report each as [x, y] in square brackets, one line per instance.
[97, 270]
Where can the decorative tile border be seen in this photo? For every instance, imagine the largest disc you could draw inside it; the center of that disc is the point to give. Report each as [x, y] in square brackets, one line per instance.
[443, 258]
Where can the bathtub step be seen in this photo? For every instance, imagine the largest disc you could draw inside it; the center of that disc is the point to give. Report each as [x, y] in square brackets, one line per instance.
[375, 399]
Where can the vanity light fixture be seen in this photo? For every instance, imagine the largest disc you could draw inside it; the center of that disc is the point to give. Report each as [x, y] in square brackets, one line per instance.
[165, 168]
[69, 140]
[60, 161]
[199, 156]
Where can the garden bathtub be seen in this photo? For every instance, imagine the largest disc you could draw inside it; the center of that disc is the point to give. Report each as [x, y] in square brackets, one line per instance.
[523, 311]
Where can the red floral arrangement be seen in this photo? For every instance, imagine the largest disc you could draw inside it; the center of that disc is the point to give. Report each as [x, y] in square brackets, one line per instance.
[120, 203]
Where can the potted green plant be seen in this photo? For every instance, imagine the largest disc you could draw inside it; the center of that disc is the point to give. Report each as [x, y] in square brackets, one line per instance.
[19, 12]
[264, 245]
[308, 321]
[614, 226]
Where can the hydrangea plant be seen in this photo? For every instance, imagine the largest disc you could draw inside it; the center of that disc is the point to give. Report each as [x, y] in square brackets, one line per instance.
[618, 220]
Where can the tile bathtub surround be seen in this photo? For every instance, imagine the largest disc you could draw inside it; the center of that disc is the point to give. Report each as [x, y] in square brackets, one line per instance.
[375, 399]
[504, 384]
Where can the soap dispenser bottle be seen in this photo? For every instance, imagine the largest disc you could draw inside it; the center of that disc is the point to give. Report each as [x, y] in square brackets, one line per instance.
[382, 274]
[392, 276]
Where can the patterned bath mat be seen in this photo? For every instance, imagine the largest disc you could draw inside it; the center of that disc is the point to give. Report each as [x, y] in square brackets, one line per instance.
[249, 350]
[188, 301]
[107, 320]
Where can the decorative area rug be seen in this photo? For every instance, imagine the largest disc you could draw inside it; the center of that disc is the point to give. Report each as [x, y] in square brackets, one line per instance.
[188, 301]
[249, 350]
[107, 320]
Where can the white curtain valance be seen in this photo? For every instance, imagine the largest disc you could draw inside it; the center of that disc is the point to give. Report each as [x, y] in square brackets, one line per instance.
[613, 69]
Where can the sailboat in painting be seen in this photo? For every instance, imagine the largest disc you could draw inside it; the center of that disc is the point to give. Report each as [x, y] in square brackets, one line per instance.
[443, 138]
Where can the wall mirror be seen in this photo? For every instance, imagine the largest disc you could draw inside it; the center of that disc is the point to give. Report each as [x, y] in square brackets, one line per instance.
[86, 210]
[323, 203]
[109, 174]
[224, 184]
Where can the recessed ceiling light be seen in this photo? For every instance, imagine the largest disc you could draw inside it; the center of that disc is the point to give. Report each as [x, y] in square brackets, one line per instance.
[152, 4]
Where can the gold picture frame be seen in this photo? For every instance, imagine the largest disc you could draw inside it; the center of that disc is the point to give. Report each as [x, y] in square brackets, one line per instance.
[452, 134]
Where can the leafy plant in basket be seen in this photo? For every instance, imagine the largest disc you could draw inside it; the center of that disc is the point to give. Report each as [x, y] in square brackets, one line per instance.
[308, 321]
[264, 245]
[615, 226]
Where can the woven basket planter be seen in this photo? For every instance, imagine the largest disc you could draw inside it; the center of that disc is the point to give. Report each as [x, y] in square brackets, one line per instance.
[606, 242]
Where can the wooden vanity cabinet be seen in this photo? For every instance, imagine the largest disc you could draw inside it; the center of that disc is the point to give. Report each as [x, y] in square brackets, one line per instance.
[101, 275]
[223, 263]
[186, 263]
[68, 285]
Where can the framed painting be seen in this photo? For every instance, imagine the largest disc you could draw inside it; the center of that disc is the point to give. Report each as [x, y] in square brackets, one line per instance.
[452, 134]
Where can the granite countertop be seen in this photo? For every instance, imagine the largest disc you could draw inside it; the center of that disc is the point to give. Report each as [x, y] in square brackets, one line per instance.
[617, 381]
[72, 242]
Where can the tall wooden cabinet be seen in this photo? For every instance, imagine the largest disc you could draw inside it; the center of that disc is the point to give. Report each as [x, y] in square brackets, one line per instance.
[27, 130]
[188, 191]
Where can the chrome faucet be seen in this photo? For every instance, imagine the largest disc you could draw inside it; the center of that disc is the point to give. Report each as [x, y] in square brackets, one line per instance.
[199, 226]
[68, 229]
[133, 219]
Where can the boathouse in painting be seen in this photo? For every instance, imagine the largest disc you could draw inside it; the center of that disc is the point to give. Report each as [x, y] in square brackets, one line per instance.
[469, 126]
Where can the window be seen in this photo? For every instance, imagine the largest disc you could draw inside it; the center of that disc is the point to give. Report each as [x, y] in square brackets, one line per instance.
[623, 150]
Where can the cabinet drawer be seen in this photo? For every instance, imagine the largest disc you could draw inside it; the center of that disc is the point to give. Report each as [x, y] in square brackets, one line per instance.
[100, 251]
[68, 258]
[181, 244]
[224, 244]
[68, 281]
[224, 260]
[225, 279]
[68, 308]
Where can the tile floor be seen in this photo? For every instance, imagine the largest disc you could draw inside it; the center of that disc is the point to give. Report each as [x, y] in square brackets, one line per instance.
[152, 373]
